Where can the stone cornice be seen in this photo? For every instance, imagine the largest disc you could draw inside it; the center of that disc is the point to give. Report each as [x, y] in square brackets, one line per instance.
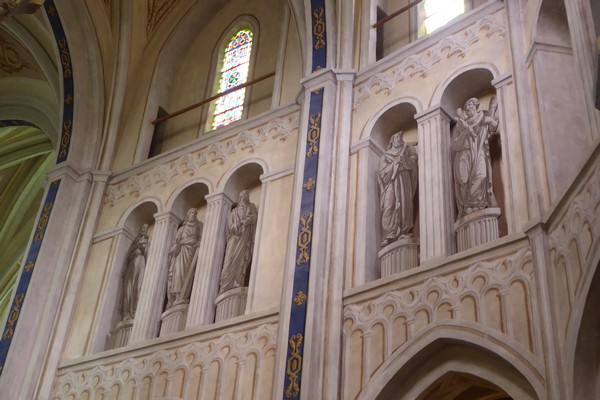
[418, 58]
[214, 149]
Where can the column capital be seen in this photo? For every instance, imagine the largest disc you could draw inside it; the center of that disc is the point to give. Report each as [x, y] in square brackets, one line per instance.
[432, 112]
[366, 143]
[166, 215]
[502, 81]
[215, 197]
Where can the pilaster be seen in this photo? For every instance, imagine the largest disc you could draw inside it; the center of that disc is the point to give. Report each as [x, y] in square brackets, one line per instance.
[436, 208]
[147, 319]
[210, 261]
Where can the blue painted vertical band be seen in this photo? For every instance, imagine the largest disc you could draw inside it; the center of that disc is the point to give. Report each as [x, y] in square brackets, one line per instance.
[67, 74]
[297, 325]
[300, 295]
[319, 35]
[28, 266]
[62, 151]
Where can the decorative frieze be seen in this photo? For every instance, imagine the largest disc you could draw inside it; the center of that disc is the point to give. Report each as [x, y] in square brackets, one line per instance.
[195, 370]
[573, 238]
[418, 65]
[497, 295]
[278, 129]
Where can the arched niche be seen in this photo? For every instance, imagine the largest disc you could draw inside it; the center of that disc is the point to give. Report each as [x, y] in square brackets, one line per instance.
[478, 369]
[477, 83]
[398, 117]
[182, 264]
[124, 283]
[244, 178]
[586, 368]
[191, 196]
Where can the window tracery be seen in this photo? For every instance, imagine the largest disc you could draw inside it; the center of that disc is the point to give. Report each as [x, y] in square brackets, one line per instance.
[233, 73]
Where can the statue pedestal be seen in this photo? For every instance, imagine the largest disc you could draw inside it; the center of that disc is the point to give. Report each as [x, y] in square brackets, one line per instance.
[231, 303]
[173, 320]
[119, 336]
[399, 256]
[477, 228]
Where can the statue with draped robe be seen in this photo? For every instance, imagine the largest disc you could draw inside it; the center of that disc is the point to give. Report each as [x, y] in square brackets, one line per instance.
[397, 177]
[133, 273]
[241, 226]
[472, 165]
[183, 256]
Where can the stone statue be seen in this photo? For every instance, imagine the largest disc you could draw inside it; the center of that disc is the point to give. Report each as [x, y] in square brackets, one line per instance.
[398, 177]
[182, 259]
[241, 225]
[133, 273]
[472, 162]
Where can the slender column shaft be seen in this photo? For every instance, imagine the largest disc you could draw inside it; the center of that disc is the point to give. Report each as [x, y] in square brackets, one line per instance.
[436, 208]
[210, 261]
[147, 318]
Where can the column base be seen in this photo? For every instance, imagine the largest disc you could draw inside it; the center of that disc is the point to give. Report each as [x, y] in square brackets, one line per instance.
[119, 336]
[477, 228]
[173, 320]
[399, 256]
[231, 303]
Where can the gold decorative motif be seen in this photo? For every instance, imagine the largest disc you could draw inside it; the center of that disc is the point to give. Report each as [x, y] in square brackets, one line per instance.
[65, 139]
[10, 60]
[157, 9]
[68, 99]
[13, 316]
[65, 58]
[294, 366]
[313, 135]
[300, 298]
[29, 266]
[51, 10]
[39, 234]
[309, 184]
[318, 28]
[304, 239]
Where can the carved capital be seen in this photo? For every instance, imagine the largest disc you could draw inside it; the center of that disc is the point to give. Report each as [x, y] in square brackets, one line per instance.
[9, 8]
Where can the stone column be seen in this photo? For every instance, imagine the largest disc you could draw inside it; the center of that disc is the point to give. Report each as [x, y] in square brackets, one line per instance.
[147, 318]
[368, 237]
[436, 206]
[210, 261]
[121, 239]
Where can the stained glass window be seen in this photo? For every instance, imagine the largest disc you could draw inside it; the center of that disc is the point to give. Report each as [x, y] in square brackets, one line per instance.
[234, 72]
[439, 12]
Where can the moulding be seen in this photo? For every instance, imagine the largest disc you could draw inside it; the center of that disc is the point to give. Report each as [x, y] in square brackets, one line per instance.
[590, 163]
[437, 266]
[417, 59]
[208, 138]
[112, 233]
[502, 81]
[190, 159]
[366, 142]
[190, 335]
[546, 47]
[273, 176]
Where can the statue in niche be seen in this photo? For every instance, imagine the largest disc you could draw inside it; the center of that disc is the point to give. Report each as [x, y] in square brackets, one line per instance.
[398, 177]
[472, 162]
[183, 256]
[133, 273]
[241, 225]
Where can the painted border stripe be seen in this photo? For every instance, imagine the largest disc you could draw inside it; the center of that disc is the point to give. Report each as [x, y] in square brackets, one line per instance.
[28, 267]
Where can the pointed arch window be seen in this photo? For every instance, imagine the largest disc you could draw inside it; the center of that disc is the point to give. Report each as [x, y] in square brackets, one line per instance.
[233, 73]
